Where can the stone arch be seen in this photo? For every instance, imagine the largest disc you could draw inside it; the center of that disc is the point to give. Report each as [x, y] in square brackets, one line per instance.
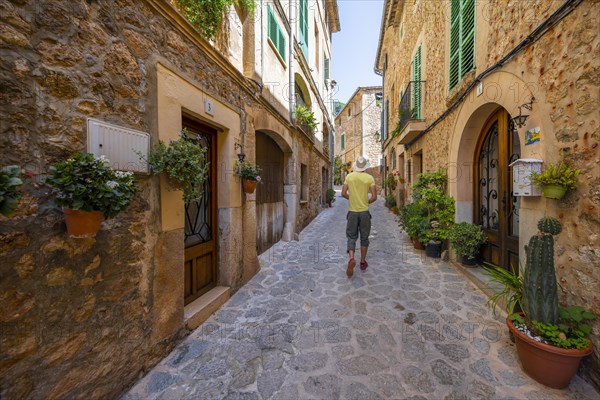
[301, 89]
[500, 90]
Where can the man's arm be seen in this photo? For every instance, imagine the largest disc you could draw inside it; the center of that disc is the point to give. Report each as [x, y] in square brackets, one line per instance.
[345, 192]
[373, 194]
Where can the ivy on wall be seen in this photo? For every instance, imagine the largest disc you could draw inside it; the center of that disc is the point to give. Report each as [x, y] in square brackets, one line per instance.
[207, 15]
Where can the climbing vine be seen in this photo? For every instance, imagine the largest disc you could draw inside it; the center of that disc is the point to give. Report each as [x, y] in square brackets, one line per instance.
[207, 15]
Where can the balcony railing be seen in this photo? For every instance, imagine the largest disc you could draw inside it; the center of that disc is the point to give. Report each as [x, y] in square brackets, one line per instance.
[411, 104]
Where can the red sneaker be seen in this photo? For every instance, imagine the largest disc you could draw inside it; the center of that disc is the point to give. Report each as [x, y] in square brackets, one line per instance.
[350, 269]
[363, 265]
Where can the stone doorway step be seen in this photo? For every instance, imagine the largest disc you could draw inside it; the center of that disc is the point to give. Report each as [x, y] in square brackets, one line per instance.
[198, 311]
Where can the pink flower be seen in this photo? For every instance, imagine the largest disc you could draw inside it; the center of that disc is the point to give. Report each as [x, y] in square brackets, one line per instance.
[258, 178]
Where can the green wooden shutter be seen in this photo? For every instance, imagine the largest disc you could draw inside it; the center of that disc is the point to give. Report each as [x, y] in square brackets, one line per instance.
[343, 144]
[467, 62]
[303, 19]
[326, 68]
[462, 40]
[416, 89]
[281, 43]
[454, 43]
[276, 34]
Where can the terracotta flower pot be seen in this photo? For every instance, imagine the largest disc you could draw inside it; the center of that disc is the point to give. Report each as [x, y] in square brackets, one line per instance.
[249, 185]
[82, 224]
[554, 191]
[417, 245]
[549, 365]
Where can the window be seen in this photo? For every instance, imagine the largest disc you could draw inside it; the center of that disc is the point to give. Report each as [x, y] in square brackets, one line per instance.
[462, 40]
[303, 20]
[303, 183]
[275, 34]
[343, 141]
[325, 68]
[416, 100]
[393, 159]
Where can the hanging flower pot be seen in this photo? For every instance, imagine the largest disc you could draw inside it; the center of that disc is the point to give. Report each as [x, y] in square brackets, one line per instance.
[249, 185]
[82, 224]
[554, 191]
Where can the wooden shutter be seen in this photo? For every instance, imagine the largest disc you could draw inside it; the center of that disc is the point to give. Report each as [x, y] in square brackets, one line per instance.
[281, 43]
[304, 27]
[326, 68]
[275, 33]
[343, 144]
[462, 40]
[467, 62]
[416, 89]
[454, 43]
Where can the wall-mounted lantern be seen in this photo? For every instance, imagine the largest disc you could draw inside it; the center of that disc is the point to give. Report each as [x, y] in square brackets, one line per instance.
[520, 119]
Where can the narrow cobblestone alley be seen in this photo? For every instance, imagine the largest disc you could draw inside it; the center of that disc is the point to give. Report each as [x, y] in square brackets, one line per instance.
[408, 327]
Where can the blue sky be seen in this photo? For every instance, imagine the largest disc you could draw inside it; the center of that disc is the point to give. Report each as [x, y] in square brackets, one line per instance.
[354, 47]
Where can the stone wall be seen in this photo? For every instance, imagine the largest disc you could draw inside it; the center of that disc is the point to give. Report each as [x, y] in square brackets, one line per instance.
[562, 72]
[79, 317]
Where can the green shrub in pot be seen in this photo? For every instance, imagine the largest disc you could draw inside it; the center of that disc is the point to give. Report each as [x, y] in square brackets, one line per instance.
[466, 238]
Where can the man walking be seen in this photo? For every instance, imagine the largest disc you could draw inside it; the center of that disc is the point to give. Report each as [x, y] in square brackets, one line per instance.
[356, 189]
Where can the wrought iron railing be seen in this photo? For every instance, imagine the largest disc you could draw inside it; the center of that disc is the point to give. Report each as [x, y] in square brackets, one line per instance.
[411, 104]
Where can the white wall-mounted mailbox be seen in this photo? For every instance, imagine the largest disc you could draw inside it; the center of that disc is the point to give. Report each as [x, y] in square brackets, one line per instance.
[521, 172]
[120, 145]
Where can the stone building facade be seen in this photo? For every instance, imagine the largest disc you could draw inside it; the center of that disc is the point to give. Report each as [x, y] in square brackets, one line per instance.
[85, 317]
[468, 98]
[358, 127]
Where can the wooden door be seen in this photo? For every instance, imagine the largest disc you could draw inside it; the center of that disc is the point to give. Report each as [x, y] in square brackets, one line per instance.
[201, 221]
[496, 209]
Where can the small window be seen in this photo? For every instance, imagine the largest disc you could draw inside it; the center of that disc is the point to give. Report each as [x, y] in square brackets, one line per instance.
[343, 141]
[393, 158]
[303, 183]
[325, 68]
[275, 34]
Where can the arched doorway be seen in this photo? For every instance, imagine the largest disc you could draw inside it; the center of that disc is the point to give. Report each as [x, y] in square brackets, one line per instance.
[270, 211]
[495, 207]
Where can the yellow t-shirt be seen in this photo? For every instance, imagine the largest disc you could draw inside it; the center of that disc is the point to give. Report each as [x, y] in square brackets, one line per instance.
[359, 184]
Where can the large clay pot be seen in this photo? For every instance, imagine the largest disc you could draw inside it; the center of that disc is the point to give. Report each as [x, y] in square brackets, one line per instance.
[554, 191]
[249, 185]
[417, 245]
[82, 224]
[549, 365]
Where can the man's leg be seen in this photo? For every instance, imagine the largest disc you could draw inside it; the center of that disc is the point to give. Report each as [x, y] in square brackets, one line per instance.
[352, 235]
[365, 231]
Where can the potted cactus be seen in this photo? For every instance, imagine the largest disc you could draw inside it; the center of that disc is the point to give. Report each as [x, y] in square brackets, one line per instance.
[550, 340]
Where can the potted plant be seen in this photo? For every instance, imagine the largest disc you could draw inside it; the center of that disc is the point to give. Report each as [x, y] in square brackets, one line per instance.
[550, 340]
[330, 197]
[184, 163]
[556, 180]
[9, 189]
[89, 191]
[306, 118]
[439, 208]
[465, 239]
[391, 182]
[416, 224]
[249, 173]
[390, 201]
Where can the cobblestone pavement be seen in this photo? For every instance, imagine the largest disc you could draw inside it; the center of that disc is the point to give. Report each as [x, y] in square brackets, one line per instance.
[407, 327]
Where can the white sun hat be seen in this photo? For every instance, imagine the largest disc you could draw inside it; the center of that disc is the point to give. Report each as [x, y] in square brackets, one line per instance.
[361, 164]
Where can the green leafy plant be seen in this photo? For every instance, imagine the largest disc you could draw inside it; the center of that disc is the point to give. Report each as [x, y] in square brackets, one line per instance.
[560, 175]
[184, 162]
[506, 286]
[207, 15]
[391, 181]
[390, 201]
[9, 189]
[436, 179]
[330, 196]
[247, 170]
[88, 183]
[338, 167]
[414, 220]
[466, 239]
[306, 118]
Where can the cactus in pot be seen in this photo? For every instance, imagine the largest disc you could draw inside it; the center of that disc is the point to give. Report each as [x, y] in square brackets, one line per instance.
[540, 292]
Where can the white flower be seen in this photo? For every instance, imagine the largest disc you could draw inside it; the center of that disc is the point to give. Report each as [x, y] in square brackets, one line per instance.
[112, 184]
[123, 174]
[104, 159]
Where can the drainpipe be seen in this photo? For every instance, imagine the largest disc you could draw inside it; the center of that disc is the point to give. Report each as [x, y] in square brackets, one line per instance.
[262, 45]
[291, 63]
